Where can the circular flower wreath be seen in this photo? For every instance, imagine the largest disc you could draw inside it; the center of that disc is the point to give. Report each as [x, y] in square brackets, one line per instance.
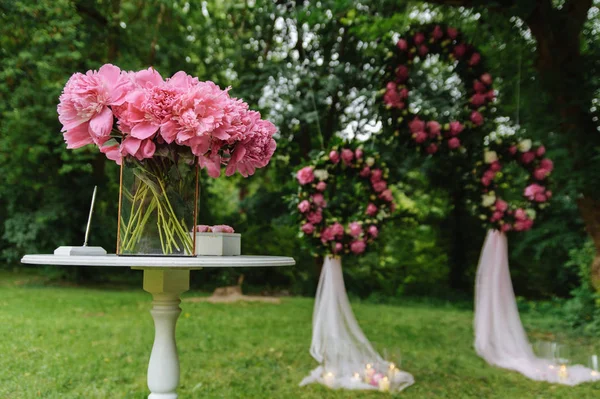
[432, 135]
[495, 211]
[334, 222]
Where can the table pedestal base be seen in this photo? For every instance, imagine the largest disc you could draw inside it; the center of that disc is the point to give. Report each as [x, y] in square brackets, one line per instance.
[166, 286]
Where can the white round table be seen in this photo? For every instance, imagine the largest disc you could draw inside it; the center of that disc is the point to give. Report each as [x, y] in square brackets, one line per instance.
[166, 278]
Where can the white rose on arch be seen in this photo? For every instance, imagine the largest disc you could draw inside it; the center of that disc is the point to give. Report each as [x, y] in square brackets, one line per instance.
[525, 145]
[321, 174]
[488, 199]
[490, 156]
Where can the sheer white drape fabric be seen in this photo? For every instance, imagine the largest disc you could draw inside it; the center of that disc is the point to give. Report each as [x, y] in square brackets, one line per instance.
[338, 343]
[500, 338]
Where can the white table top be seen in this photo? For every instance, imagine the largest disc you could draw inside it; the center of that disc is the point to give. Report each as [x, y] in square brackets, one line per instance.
[160, 262]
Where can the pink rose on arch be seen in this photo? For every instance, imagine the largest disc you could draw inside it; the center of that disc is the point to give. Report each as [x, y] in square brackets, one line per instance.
[505, 227]
[365, 172]
[392, 97]
[490, 95]
[355, 229]
[387, 196]
[532, 190]
[489, 174]
[475, 58]
[321, 186]
[376, 175]
[434, 128]
[420, 137]
[540, 173]
[358, 153]
[496, 166]
[338, 230]
[478, 100]
[327, 235]
[402, 73]
[528, 157]
[460, 50]
[485, 181]
[486, 78]
[371, 209]
[423, 50]
[373, 231]
[455, 128]
[419, 38]
[547, 164]
[479, 87]
[476, 118]
[347, 156]
[520, 214]
[501, 205]
[431, 149]
[548, 194]
[454, 143]
[334, 156]
[513, 150]
[338, 247]
[358, 247]
[416, 125]
[452, 32]
[379, 186]
[437, 33]
[315, 217]
[318, 200]
[402, 45]
[304, 206]
[496, 216]
[540, 151]
[305, 175]
[308, 228]
[523, 225]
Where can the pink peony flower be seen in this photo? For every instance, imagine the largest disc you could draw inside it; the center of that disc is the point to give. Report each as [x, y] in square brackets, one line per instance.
[338, 230]
[434, 128]
[479, 87]
[402, 73]
[540, 151]
[222, 228]
[373, 231]
[527, 157]
[319, 200]
[84, 107]
[452, 33]
[423, 50]
[476, 118]
[379, 186]
[376, 175]
[387, 196]
[337, 248]
[140, 149]
[460, 50]
[419, 38]
[402, 45]
[202, 228]
[475, 58]
[254, 151]
[540, 173]
[305, 175]
[371, 209]
[437, 33]
[321, 186]
[355, 229]
[358, 247]
[334, 156]
[420, 137]
[533, 190]
[315, 217]
[454, 143]
[431, 149]
[478, 100]
[358, 153]
[501, 205]
[304, 206]
[347, 156]
[112, 152]
[455, 128]
[211, 161]
[547, 164]
[486, 78]
[308, 228]
[416, 125]
[365, 172]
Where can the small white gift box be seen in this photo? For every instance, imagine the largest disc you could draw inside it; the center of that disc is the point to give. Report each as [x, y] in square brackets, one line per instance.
[219, 244]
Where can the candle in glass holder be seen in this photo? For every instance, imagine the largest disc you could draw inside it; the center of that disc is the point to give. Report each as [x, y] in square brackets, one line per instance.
[563, 374]
[369, 371]
[356, 377]
[392, 370]
[384, 384]
[328, 378]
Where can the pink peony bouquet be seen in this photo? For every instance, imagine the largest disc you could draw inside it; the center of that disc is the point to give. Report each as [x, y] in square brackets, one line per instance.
[141, 115]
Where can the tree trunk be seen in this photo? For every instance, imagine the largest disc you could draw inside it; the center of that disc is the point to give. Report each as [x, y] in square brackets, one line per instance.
[589, 209]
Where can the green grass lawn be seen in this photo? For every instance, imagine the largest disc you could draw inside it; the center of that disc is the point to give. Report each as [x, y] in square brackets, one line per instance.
[69, 342]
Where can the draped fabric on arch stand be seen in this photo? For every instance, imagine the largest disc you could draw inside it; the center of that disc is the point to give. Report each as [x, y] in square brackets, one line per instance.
[500, 338]
[338, 343]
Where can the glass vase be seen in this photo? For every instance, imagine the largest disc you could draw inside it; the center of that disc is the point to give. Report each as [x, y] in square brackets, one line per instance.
[158, 207]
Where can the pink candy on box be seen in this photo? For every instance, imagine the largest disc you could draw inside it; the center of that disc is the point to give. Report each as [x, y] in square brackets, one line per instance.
[219, 240]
